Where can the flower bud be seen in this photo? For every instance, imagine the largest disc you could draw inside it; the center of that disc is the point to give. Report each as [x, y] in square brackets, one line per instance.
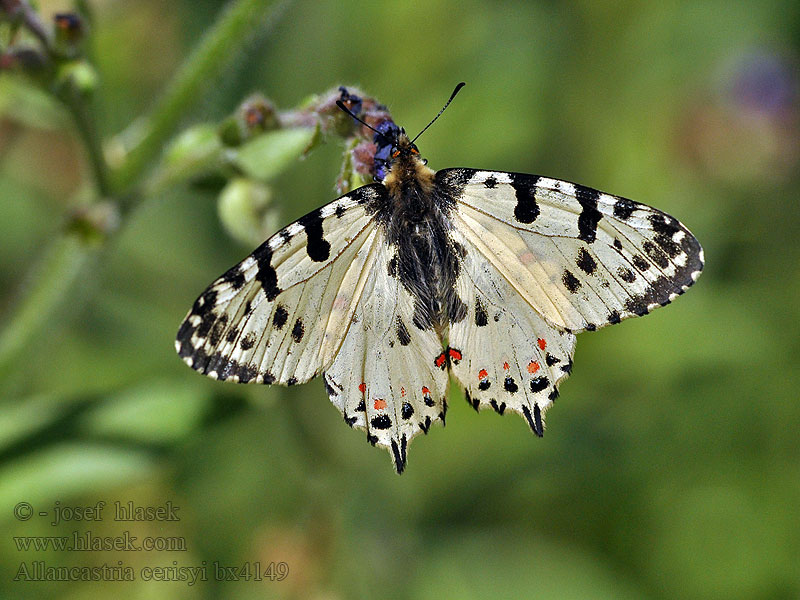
[245, 210]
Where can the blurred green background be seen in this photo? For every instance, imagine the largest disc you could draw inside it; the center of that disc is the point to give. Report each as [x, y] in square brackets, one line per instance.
[671, 464]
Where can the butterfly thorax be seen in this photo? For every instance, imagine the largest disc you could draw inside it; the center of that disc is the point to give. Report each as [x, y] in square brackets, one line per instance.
[417, 224]
[409, 181]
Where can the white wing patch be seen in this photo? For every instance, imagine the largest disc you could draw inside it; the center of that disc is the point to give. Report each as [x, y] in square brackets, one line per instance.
[280, 315]
[386, 379]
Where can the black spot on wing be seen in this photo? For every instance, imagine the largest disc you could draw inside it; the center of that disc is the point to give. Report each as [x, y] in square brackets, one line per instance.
[586, 262]
[215, 335]
[381, 422]
[510, 385]
[392, 267]
[481, 318]
[317, 247]
[280, 317]
[232, 334]
[484, 385]
[234, 277]
[613, 317]
[590, 216]
[665, 228]
[626, 274]
[640, 263]
[636, 305]
[298, 331]
[526, 209]
[266, 274]
[406, 411]
[490, 182]
[340, 210]
[248, 341]
[570, 282]
[623, 208]
[655, 254]
[539, 384]
[550, 360]
[402, 332]
[362, 407]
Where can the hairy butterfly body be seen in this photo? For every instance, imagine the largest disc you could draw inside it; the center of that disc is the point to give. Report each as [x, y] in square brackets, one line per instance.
[390, 289]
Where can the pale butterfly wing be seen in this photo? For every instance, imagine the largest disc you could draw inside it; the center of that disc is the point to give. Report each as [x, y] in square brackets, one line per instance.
[510, 357]
[281, 314]
[544, 259]
[580, 258]
[386, 379]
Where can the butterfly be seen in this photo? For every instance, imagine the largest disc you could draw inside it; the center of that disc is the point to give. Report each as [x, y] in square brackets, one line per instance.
[399, 285]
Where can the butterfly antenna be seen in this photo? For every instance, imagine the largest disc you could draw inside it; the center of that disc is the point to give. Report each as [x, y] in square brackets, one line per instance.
[453, 95]
[341, 105]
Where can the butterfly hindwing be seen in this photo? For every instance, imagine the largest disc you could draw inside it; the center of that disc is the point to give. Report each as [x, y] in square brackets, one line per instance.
[280, 315]
[580, 258]
[510, 358]
[386, 378]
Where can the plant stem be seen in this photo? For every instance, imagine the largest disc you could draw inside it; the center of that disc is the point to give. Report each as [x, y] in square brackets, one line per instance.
[207, 61]
[85, 125]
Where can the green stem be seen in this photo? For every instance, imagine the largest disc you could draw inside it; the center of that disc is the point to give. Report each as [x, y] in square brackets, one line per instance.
[81, 114]
[202, 68]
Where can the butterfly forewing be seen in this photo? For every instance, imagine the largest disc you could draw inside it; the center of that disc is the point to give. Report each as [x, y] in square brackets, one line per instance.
[580, 258]
[280, 315]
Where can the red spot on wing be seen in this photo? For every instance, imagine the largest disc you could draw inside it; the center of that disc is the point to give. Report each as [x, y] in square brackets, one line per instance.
[425, 391]
[506, 367]
[542, 343]
[380, 403]
[533, 366]
[362, 387]
[482, 374]
[455, 355]
[402, 392]
[440, 360]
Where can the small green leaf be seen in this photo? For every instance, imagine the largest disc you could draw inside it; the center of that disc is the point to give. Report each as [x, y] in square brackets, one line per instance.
[271, 153]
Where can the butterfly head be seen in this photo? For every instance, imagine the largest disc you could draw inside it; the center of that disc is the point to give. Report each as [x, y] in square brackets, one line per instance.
[393, 148]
